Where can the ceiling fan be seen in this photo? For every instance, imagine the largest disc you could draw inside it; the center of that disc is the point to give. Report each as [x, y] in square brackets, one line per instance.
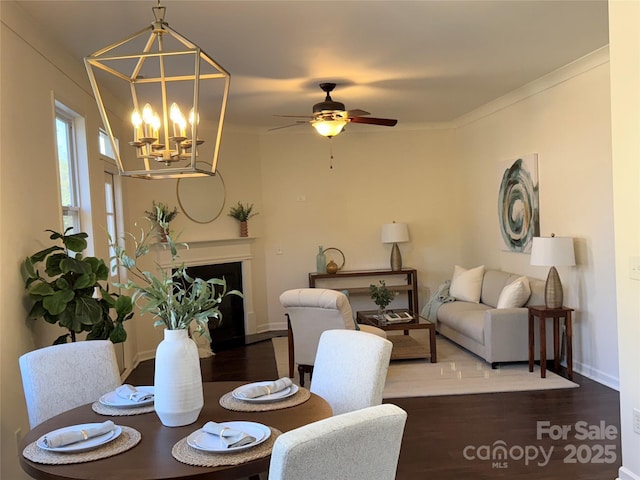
[330, 117]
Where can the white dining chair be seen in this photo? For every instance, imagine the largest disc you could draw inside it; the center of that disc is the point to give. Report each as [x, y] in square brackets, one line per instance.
[311, 311]
[360, 445]
[65, 376]
[350, 369]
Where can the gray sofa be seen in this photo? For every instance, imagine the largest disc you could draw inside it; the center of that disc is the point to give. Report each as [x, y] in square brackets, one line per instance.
[496, 335]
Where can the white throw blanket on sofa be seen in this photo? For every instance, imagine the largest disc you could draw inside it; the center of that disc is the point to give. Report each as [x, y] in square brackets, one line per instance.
[440, 296]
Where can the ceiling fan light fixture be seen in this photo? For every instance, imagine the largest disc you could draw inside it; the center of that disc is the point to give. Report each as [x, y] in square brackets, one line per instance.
[329, 128]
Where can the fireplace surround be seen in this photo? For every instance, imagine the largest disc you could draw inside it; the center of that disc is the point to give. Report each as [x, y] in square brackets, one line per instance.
[214, 258]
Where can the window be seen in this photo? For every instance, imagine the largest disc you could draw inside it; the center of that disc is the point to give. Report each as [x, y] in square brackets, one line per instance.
[105, 146]
[110, 189]
[112, 200]
[68, 168]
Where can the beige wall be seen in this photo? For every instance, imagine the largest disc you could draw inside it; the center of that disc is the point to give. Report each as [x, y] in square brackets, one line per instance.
[566, 122]
[29, 193]
[624, 25]
[406, 176]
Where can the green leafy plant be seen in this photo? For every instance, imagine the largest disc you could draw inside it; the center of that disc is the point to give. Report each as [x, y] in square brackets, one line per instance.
[160, 216]
[161, 213]
[67, 295]
[171, 295]
[242, 212]
[381, 295]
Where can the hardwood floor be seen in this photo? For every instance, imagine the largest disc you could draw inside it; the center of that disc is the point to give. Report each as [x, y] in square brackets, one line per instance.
[440, 430]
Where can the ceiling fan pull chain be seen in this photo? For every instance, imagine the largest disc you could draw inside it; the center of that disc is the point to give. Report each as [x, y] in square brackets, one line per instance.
[330, 154]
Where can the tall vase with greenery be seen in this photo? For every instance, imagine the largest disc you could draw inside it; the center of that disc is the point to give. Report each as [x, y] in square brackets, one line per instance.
[243, 213]
[72, 290]
[175, 300]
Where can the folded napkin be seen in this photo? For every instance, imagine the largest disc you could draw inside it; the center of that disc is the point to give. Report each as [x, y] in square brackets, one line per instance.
[255, 391]
[229, 436]
[60, 439]
[132, 393]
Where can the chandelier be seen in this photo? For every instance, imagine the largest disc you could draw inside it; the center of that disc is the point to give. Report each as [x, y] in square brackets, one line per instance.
[176, 101]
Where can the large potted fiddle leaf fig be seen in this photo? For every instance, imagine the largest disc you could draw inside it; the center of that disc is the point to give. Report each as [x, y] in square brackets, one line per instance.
[69, 291]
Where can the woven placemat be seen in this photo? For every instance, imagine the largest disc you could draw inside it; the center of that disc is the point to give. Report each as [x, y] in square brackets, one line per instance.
[128, 439]
[230, 403]
[120, 412]
[184, 453]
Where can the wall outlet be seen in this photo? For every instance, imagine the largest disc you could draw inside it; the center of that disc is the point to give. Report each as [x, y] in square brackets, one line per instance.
[636, 420]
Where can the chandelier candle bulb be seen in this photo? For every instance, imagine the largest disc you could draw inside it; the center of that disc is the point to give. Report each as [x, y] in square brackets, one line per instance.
[136, 120]
[155, 127]
[147, 118]
[176, 116]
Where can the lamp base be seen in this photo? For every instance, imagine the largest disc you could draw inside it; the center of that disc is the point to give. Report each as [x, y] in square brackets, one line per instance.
[396, 258]
[553, 296]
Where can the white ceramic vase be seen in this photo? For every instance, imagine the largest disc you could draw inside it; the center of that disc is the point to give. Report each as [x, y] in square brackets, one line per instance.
[178, 397]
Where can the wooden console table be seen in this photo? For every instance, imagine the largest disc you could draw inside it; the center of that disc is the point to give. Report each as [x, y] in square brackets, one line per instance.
[543, 313]
[410, 286]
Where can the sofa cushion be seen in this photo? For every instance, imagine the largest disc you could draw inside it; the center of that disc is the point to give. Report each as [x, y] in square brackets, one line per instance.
[464, 317]
[466, 285]
[515, 295]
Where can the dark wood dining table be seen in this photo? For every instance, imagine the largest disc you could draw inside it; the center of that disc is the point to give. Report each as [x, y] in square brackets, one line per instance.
[151, 458]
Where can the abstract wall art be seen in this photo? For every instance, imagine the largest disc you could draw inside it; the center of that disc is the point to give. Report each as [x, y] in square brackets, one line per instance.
[518, 205]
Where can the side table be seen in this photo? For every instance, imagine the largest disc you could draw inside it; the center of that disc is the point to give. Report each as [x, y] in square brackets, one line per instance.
[542, 312]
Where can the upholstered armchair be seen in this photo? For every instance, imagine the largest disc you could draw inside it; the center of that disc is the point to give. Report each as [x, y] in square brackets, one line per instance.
[311, 311]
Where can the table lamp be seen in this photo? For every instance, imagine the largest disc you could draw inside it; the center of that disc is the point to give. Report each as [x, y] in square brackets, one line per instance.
[395, 233]
[552, 251]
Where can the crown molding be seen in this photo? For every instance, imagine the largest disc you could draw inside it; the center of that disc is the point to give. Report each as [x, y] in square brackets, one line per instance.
[578, 67]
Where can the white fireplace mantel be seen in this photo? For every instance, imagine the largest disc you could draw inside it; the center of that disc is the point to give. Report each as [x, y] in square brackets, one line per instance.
[215, 252]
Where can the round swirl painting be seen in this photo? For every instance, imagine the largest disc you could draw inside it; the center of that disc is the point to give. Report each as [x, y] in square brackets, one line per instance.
[518, 209]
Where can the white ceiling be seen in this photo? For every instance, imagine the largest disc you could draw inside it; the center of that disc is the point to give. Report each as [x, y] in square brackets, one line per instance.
[417, 61]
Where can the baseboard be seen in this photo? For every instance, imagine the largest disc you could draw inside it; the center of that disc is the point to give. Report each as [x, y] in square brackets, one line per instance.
[260, 337]
[626, 474]
[597, 375]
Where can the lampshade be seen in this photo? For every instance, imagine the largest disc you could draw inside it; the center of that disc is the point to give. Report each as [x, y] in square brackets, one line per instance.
[552, 251]
[174, 94]
[395, 233]
[549, 252]
[329, 128]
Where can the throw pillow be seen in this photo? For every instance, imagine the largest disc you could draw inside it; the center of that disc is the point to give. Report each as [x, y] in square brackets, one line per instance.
[466, 285]
[516, 294]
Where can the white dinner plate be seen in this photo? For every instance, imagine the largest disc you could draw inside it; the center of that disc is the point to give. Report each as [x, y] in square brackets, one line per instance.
[112, 399]
[84, 445]
[272, 397]
[208, 442]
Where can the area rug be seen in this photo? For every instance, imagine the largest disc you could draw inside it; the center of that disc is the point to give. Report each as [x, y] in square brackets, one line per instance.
[458, 372]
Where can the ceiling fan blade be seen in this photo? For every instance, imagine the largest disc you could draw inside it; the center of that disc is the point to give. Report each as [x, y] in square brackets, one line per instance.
[299, 122]
[294, 116]
[385, 122]
[356, 113]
